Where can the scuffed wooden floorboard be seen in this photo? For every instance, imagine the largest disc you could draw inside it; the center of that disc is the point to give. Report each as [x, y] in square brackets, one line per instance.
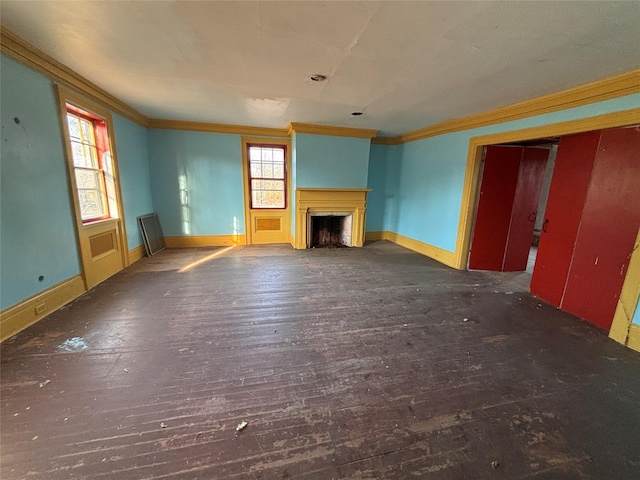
[347, 363]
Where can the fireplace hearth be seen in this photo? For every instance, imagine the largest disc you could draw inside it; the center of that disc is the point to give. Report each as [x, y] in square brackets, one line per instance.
[330, 230]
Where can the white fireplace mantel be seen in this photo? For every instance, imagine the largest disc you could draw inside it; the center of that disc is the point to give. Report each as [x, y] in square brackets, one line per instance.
[311, 201]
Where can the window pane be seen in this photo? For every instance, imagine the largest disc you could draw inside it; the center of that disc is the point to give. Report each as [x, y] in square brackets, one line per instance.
[267, 193]
[267, 170]
[91, 205]
[256, 169]
[84, 155]
[87, 132]
[278, 171]
[255, 153]
[88, 179]
[74, 127]
[267, 154]
[278, 155]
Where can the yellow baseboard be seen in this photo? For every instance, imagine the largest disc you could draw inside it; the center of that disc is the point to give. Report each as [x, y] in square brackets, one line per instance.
[29, 311]
[374, 236]
[136, 254]
[443, 256]
[633, 340]
[205, 241]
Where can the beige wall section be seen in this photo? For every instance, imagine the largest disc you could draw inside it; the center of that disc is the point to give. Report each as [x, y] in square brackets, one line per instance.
[29, 311]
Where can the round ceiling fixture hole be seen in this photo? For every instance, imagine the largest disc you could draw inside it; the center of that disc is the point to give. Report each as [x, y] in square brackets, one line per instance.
[318, 77]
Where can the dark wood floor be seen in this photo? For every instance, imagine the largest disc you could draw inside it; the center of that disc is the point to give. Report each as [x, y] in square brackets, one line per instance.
[346, 363]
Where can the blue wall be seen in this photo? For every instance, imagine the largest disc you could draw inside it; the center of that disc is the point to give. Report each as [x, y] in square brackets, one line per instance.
[431, 174]
[324, 161]
[37, 227]
[383, 201]
[196, 182]
[135, 182]
[636, 316]
[37, 223]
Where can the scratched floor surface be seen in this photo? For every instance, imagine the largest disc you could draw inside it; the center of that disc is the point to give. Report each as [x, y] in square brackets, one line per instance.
[347, 363]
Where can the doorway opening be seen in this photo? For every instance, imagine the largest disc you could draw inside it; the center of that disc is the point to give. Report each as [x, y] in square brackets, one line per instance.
[514, 187]
[565, 230]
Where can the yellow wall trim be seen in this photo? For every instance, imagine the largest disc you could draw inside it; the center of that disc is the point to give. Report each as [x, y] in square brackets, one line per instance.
[294, 128]
[217, 128]
[16, 48]
[634, 337]
[29, 311]
[386, 140]
[136, 254]
[205, 241]
[628, 302]
[605, 89]
[443, 256]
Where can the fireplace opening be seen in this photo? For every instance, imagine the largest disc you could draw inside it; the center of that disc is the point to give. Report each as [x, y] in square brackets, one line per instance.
[330, 231]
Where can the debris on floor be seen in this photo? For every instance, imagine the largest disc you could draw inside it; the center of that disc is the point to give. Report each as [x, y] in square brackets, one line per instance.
[465, 319]
[163, 425]
[45, 383]
[241, 426]
[495, 464]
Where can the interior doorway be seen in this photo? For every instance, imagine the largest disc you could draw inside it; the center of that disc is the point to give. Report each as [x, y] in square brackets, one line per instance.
[585, 225]
[514, 187]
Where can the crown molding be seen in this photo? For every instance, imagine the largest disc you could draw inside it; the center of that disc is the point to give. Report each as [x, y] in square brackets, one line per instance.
[216, 128]
[386, 140]
[605, 89]
[309, 128]
[18, 49]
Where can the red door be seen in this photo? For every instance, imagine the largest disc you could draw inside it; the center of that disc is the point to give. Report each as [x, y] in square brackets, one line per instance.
[609, 226]
[493, 216]
[525, 206]
[571, 175]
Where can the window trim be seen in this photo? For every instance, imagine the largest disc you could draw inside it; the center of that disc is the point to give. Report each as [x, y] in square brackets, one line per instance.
[284, 180]
[64, 97]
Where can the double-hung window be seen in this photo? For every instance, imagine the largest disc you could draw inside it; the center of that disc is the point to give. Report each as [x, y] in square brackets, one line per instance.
[93, 168]
[267, 176]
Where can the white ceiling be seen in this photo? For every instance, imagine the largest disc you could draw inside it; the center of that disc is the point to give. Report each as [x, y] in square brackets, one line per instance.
[406, 65]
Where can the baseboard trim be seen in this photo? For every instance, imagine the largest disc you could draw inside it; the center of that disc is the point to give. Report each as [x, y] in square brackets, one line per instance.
[29, 311]
[633, 340]
[136, 254]
[443, 256]
[205, 241]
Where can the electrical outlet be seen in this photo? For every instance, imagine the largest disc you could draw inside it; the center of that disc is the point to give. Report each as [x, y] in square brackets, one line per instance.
[39, 308]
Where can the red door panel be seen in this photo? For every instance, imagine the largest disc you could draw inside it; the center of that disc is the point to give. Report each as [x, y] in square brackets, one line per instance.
[569, 184]
[498, 187]
[525, 206]
[608, 230]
